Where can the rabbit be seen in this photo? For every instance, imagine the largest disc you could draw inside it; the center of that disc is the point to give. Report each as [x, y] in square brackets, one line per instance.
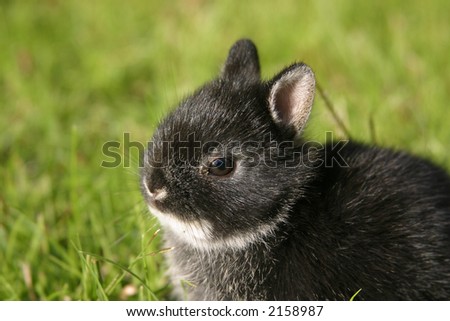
[254, 211]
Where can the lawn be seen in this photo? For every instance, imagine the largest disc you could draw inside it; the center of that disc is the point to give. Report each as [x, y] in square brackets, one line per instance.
[75, 75]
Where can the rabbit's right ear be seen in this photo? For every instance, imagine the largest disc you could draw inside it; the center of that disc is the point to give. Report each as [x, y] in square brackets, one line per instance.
[242, 64]
[291, 97]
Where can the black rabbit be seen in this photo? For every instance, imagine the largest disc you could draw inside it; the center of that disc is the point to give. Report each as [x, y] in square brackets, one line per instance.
[256, 213]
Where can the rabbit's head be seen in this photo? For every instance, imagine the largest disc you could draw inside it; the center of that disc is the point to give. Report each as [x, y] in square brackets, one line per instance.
[215, 171]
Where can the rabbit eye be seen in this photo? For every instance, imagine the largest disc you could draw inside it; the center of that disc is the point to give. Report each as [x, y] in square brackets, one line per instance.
[220, 167]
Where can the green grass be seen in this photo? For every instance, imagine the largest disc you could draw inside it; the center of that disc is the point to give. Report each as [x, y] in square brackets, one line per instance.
[354, 295]
[74, 75]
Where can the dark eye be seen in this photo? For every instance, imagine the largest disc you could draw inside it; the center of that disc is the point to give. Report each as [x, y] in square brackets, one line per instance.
[220, 166]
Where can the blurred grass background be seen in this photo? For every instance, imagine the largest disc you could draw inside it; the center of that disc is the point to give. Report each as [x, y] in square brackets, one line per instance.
[74, 75]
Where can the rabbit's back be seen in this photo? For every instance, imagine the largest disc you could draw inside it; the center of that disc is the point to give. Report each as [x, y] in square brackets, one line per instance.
[382, 224]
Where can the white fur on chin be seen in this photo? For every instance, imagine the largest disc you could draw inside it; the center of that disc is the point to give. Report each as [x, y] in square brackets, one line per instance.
[200, 233]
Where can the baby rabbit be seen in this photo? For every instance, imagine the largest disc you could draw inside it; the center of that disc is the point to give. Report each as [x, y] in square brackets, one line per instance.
[256, 213]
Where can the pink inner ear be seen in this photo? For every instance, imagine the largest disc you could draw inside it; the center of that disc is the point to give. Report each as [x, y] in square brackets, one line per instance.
[286, 102]
[292, 99]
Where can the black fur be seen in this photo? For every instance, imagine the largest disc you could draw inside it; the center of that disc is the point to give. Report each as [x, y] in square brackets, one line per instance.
[354, 217]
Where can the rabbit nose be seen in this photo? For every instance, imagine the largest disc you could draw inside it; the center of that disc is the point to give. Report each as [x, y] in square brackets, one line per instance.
[155, 185]
[158, 194]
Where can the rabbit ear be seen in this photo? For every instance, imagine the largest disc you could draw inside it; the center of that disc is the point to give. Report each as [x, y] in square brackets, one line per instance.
[242, 64]
[291, 96]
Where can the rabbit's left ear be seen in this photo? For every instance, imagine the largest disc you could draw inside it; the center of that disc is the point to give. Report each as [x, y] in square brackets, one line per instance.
[291, 96]
[242, 64]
